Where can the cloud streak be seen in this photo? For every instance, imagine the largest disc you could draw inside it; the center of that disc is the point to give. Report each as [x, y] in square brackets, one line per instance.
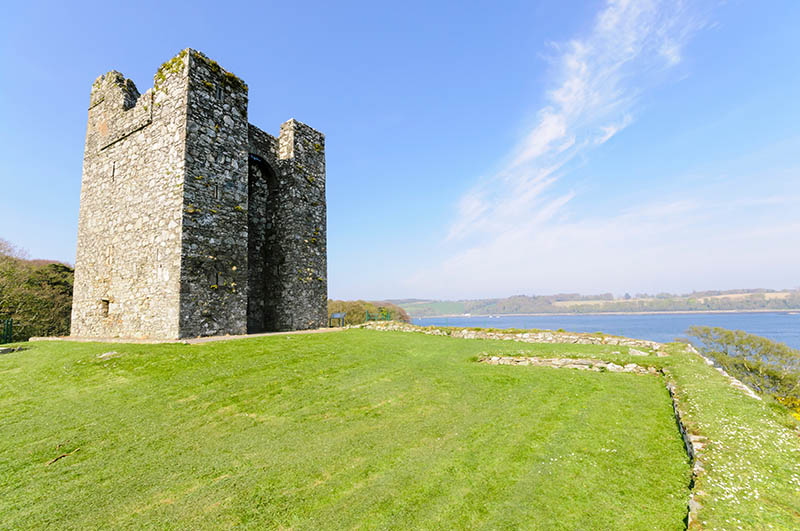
[676, 245]
[515, 232]
[597, 80]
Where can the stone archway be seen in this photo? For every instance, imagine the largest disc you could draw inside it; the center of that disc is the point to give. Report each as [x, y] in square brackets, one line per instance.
[262, 246]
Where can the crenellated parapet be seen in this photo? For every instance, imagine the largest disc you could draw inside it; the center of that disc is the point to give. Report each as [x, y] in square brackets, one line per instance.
[116, 110]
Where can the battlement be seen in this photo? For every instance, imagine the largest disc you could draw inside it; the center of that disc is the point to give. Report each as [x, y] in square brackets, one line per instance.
[115, 88]
[193, 221]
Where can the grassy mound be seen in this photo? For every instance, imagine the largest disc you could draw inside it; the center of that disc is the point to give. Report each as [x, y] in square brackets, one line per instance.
[350, 429]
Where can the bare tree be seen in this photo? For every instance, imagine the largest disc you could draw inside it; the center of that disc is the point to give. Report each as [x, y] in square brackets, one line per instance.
[12, 251]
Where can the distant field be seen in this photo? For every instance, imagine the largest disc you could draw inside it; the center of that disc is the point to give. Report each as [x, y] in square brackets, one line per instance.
[353, 429]
[778, 295]
[434, 307]
[587, 302]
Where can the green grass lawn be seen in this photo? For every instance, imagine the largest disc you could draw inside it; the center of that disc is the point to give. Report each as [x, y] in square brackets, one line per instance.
[752, 478]
[356, 429]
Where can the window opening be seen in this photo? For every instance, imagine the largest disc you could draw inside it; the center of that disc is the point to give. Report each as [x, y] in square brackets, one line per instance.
[104, 304]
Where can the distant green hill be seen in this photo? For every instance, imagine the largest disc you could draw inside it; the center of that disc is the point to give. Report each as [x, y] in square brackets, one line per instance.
[756, 299]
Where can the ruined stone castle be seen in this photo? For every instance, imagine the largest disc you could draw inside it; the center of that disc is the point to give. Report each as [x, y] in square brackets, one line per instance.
[194, 222]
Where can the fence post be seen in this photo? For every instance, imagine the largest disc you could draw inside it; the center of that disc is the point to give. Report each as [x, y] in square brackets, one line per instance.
[8, 331]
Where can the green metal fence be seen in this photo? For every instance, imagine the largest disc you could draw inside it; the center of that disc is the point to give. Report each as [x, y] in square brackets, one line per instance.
[8, 331]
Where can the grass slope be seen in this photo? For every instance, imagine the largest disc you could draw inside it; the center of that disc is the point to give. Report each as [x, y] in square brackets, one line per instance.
[352, 429]
[752, 478]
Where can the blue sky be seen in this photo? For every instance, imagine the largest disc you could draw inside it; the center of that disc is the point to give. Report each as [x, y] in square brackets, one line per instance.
[474, 149]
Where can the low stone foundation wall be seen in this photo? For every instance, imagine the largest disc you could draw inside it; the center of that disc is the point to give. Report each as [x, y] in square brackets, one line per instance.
[542, 336]
[584, 364]
[695, 444]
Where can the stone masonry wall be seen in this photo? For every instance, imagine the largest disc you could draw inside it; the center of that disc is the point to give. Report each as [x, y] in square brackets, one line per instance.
[288, 257]
[301, 301]
[192, 221]
[214, 258]
[127, 266]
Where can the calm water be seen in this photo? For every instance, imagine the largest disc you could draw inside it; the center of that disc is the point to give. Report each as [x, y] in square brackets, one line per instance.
[780, 326]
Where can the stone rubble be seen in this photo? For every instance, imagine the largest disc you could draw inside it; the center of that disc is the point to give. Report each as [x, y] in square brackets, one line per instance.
[584, 364]
[544, 336]
[695, 445]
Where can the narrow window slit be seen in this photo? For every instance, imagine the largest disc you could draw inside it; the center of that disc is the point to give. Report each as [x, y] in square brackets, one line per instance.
[104, 304]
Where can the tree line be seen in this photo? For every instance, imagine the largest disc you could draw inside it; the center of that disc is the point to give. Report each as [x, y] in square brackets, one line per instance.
[35, 294]
[357, 310]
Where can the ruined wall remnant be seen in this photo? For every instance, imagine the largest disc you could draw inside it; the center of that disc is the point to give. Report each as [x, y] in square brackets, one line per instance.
[192, 221]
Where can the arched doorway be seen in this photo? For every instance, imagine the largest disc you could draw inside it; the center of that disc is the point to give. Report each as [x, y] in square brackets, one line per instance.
[264, 265]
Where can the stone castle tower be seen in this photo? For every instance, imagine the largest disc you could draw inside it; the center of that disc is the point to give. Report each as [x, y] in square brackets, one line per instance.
[192, 221]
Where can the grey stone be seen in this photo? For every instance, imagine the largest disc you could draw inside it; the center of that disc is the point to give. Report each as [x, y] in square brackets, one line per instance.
[194, 222]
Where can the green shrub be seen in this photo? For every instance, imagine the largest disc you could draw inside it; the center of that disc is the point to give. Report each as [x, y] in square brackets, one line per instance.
[769, 367]
[36, 294]
[357, 310]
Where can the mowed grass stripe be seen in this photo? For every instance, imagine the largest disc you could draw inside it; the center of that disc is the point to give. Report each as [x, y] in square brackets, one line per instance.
[354, 429]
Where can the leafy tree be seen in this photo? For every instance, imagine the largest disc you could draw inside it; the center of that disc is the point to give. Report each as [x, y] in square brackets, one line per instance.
[769, 367]
[357, 310]
[36, 294]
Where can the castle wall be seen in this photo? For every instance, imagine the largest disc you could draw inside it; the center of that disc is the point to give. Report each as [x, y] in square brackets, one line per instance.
[192, 221]
[127, 266]
[301, 301]
[214, 256]
[287, 229]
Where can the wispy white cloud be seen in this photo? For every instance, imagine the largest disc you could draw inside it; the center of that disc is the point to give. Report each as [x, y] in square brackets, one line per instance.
[515, 231]
[676, 245]
[597, 80]
[612, 129]
[518, 232]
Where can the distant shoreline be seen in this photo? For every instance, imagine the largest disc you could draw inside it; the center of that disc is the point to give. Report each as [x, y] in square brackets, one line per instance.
[652, 312]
